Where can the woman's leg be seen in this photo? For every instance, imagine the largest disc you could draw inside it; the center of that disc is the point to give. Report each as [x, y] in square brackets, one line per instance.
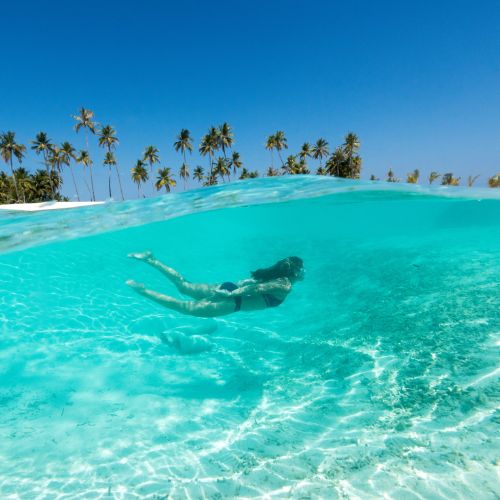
[202, 308]
[195, 290]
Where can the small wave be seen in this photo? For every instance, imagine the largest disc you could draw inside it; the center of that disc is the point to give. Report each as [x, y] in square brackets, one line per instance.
[18, 231]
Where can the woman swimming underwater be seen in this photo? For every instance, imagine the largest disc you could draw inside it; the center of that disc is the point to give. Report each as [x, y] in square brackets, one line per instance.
[267, 287]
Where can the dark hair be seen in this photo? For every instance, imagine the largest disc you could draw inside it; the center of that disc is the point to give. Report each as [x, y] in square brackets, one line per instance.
[285, 268]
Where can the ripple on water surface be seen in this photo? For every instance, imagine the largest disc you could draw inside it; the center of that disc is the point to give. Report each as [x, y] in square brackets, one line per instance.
[378, 375]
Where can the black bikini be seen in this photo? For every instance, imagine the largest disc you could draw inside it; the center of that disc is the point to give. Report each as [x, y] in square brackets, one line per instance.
[230, 286]
[270, 300]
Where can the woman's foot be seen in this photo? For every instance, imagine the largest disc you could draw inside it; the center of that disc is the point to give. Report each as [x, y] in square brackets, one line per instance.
[141, 255]
[138, 287]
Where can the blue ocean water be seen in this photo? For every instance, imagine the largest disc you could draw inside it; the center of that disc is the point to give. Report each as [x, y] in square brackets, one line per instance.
[378, 376]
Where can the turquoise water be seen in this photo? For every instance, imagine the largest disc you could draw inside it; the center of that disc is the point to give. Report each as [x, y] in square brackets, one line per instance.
[377, 376]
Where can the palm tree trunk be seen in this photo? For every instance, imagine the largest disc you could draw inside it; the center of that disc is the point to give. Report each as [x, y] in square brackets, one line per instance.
[184, 178]
[23, 192]
[119, 182]
[87, 184]
[14, 179]
[152, 178]
[90, 166]
[48, 174]
[109, 182]
[50, 181]
[74, 181]
[92, 182]
[279, 154]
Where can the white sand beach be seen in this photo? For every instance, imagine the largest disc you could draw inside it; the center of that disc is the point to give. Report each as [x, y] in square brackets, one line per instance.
[47, 205]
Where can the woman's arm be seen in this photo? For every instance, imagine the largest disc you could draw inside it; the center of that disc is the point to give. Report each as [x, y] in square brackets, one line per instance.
[250, 290]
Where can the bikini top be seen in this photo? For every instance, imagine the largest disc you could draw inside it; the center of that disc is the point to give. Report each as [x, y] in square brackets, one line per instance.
[271, 300]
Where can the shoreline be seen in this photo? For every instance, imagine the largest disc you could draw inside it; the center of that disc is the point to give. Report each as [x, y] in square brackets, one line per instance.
[48, 205]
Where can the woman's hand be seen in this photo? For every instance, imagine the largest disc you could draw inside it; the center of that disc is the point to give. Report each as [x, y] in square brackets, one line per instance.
[138, 287]
[141, 255]
[221, 293]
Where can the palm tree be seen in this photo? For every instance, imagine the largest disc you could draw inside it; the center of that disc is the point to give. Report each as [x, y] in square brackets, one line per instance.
[5, 188]
[108, 140]
[320, 150]
[139, 175]
[184, 174]
[184, 144]
[270, 145]
[85, 120]
[337, 164]
[221, 168]
[471, 180]
[245, 174]
[109, 161]
[280, 142]
[271, 172]
[321, 171]
[494, 182]
[391, 177]
[151, 155]
[305, 151]
[57, 181]
[42, 145]
[290, 167]
[164, 179]
[42, 186]
[209, 145]
[302, 168]
[355, 167]
[198, 174]
[225, 137]
[433, 176]
[351, 146]
[211, 179]
[412, 177]
[8, 149]
[84, 159]
[351, 143]
[235, 162]
[56, 160]
[24, 182]
[68, 154]
[449, 180]
[373, 178]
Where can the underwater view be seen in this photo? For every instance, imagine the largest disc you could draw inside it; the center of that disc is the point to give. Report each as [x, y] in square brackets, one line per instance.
[378, 376]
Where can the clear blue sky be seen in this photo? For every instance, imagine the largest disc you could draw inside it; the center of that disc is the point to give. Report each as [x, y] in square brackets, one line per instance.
[419, 82]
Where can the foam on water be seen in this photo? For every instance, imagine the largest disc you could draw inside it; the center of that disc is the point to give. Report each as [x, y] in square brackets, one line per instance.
[378, 376]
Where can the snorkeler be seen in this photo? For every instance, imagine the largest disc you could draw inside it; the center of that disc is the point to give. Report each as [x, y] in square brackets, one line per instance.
[267, 287]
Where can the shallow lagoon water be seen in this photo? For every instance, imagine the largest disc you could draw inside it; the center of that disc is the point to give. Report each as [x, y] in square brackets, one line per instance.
[377, 376]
